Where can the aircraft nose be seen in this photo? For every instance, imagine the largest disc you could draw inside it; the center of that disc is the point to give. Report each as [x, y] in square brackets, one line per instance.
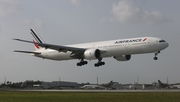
[163, 44]
[166, 45]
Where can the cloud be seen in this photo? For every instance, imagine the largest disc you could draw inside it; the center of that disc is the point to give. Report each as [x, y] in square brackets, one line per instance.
[76, 2]
[125, 11]
[35, 23]
[8, 7]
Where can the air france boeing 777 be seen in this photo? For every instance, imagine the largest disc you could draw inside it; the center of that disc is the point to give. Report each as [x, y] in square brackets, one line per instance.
[120, 49]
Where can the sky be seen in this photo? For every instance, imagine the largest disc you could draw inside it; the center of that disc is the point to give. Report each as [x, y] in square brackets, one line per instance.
[64, 22]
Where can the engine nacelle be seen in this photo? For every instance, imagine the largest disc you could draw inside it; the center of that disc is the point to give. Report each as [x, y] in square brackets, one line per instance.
[91, 54]
[123, 58]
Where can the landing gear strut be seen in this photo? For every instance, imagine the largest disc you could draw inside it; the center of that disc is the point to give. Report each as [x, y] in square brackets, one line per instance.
[82, 62]
[99, 63]
[155, 57]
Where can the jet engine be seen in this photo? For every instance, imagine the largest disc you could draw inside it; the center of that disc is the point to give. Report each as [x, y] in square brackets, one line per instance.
[91, 54]
[123, 58]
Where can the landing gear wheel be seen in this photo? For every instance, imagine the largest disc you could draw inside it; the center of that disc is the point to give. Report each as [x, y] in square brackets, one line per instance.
[82, 62]
[103, 63]
[155, 58]
[85, 62]
[99, 63]
[96, 65]
[79, 64]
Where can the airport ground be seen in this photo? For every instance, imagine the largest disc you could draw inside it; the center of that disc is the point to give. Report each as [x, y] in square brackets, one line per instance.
[89, 96]
[103, 91]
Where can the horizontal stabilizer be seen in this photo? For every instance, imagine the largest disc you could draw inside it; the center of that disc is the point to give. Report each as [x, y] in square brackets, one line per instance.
[31, 52]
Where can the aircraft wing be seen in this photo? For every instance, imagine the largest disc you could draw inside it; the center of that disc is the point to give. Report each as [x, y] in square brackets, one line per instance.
[55, 47]
[27, 52]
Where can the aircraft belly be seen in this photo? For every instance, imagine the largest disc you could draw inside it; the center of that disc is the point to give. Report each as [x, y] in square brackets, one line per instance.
[55, 55]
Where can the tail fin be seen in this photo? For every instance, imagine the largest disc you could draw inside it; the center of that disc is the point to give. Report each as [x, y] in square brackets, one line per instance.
[159, 81]
[36, 38]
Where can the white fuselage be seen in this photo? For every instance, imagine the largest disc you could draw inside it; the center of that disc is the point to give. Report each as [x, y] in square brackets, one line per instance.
[110, 48]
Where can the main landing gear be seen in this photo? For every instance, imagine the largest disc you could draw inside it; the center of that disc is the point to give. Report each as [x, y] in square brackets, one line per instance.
[82, 62]
[99, 63]
[155, 57]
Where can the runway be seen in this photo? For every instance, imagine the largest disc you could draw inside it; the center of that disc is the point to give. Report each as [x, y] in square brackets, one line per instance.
[100, 90]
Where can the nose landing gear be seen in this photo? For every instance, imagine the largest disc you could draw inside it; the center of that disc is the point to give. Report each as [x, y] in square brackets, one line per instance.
[155, 57]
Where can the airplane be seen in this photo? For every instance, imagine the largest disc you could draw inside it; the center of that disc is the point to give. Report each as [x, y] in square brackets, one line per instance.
[163, 85]
[93, 87]
[176, 86]
[108, 85]
[96, 86]
[120, 49]
[168, 86]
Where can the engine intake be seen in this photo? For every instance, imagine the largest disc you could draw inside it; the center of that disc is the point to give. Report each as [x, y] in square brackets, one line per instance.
[91, 54]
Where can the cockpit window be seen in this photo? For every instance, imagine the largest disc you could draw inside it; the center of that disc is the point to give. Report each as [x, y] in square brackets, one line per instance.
[162, 41]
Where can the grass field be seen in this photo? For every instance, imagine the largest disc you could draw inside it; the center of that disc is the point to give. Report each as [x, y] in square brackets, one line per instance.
[13, 96]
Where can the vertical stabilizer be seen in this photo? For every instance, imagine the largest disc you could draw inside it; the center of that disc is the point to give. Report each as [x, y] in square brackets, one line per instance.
[36, 38]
